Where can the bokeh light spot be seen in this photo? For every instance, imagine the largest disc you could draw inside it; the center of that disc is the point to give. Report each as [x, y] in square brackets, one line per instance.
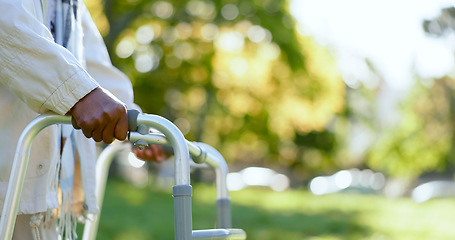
[256, 34]
[231, 42]
[209, 32]
[239, 65]
[184, 50]
[183, 124]
[201, 9]
[144, 63]
[184, 30]
[229, 11]
[163, 9]
[125, 48]
[134, 161]
[145, 34]
[270, 51]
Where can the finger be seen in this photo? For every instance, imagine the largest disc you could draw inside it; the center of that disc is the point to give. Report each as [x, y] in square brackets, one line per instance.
[149, 155]
[97, 134]
[139, 153]
[121, 127]
[146, 154]
[86, 130]
[158, 152]
[108, 132]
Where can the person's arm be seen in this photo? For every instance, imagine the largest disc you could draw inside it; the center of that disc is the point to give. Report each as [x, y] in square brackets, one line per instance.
[48, 77]
[42, 73]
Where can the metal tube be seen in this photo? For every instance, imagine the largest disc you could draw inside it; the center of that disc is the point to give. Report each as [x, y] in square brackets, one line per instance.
[219, 234]
[182, 211]
[19, 169]
[176, 138]
[196, 152]
[216, 161]
[102, 169]
[223, 210]
[209, 155]
[182, 189]
[160, 139]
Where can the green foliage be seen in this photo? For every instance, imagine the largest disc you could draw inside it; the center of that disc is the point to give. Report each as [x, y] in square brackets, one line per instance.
[421, 141]
[234, 74]
[240, 76]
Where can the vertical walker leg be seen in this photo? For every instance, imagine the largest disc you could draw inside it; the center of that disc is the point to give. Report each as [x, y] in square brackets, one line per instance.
[182, 211]
[183, 192]
[102, 169]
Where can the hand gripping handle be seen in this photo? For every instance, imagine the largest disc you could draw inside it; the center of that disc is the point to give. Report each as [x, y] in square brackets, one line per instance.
[132, 120]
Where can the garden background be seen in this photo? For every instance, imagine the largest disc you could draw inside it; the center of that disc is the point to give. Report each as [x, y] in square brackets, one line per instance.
[286, 85]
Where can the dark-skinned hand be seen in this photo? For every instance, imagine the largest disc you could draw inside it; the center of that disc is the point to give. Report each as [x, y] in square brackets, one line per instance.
[101, 116]
[152, 153]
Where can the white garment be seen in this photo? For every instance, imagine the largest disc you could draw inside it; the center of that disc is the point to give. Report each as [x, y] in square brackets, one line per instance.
[41, 75]
[22, 230]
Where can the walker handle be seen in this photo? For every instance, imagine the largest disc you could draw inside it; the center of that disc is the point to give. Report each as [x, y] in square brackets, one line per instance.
[132, 120]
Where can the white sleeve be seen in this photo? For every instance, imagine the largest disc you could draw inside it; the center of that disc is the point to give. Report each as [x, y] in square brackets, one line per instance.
[99, 64]
[42, 73]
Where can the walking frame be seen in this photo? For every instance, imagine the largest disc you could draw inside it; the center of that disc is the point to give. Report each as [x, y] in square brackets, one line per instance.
[138, 125]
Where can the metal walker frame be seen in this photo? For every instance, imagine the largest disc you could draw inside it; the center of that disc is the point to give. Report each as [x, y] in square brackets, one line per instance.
[139, 134]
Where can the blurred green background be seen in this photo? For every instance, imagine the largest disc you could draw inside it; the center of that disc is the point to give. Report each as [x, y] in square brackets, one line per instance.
[144, 214]
[259, 81]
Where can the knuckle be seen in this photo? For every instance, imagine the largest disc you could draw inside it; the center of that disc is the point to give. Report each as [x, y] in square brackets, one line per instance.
[89, 123]
[82, 123]
[120, 110]
[98, 121]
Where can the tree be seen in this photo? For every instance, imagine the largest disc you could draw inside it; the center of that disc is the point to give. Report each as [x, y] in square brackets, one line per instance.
[421, 142]
[235, 74]
[424, 140]
[442, 25]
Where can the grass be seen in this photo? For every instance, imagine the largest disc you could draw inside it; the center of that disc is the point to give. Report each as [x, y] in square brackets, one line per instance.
[146, 214]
